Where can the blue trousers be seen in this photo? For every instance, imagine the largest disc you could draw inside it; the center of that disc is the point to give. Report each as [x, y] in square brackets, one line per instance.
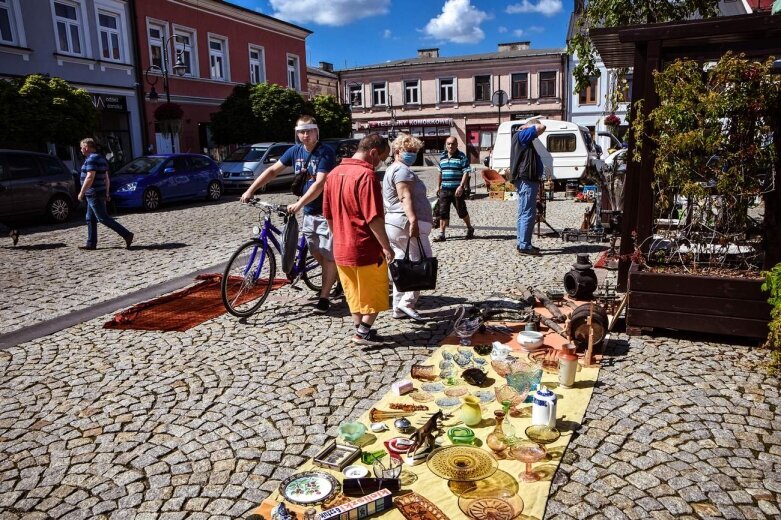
[96, 212]
[527, 211]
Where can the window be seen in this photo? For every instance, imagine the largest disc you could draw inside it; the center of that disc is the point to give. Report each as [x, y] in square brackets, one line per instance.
[487, 138]
[8, 25]
[184, 48]
[482, 88]
[547, 84]
[108, 28]
[520, 85]
[51, 166]
[157, 35]
[412, 92]
[379, 94]
[217, 59]
[21, 166]
[293, 76]
[200, 163]
[68, 25]
[561, 143]
[356, 95]
[257, 65]
[588, 96]
[447, 91]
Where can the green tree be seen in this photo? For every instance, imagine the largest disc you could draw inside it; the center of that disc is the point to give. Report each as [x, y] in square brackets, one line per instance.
[617, 13]
[45, 110]
[333, 118]
[235, 122]
[277, 109]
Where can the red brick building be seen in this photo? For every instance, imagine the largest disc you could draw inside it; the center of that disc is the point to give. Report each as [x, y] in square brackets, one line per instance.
[217, 46]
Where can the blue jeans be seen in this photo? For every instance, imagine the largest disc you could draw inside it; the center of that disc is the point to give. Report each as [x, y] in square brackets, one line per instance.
[96, 212]
[527, 211]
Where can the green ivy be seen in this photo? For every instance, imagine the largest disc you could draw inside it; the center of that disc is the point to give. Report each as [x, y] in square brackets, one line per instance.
[773, 286]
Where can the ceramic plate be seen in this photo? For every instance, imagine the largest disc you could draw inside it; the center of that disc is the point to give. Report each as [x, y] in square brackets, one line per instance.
[355, 472]
[462, 463]
[309, 487]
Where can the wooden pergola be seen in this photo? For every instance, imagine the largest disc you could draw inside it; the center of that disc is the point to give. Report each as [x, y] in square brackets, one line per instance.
[646, 48]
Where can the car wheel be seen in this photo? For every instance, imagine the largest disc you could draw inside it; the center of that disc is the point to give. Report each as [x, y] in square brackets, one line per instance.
[151, 200]
[58, 209]
[214, 191]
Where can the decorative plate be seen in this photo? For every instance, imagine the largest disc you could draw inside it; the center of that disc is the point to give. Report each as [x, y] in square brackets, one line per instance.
[355, 471]
[462, 463]
[432, 387]
[309, 487]
[502, 506]
[416, 507]
[456, 391]
[485, 396]
[447, 402]
[485, 488]
[421, 397]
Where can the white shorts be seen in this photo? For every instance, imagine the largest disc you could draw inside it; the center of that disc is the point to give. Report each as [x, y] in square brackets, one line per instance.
[318, 236]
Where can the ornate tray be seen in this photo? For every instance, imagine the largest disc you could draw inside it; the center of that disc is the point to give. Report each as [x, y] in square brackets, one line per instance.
[462, 463]
[504, 505]
[417, 507]
[309, 487]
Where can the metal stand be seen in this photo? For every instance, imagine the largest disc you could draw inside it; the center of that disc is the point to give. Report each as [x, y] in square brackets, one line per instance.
[541, 207]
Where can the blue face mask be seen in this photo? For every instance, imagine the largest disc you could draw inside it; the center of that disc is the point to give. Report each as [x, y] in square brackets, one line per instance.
[408, 158]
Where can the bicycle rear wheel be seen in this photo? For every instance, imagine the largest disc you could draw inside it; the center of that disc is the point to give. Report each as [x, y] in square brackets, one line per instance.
[247, 281]
[313, 274]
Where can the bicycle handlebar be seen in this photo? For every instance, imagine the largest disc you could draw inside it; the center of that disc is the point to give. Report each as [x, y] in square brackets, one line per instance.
[268, 207]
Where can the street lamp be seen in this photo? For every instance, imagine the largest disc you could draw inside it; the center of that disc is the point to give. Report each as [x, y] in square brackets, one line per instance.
[179, 69]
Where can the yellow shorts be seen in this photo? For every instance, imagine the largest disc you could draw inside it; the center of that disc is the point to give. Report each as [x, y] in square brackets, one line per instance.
[365, 287]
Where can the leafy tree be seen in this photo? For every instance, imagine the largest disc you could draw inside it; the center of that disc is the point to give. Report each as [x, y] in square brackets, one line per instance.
[276, 109]
[235, 122]
[333, 118]
[617, 13]
[45, 109]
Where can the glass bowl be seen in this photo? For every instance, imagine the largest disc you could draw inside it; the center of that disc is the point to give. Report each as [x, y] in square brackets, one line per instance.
[351, 431]
[461, 435]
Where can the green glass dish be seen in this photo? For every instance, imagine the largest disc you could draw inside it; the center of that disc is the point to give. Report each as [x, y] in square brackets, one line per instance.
[461, 435]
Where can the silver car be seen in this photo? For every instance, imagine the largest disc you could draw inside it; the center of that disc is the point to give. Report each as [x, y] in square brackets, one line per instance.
[246, 163]
[35, 184]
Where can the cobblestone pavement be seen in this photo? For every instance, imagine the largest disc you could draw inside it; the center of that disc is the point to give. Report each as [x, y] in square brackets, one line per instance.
[136, 424]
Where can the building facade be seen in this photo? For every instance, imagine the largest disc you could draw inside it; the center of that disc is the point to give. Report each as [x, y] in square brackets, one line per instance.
[322, 81]
[215, 46]
[89, 44]
[434, 97]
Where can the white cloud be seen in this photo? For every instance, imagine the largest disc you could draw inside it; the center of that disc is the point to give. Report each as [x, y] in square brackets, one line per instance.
[387, 33]
[501, 29]
[459, 22]
[536, 29]
[331, 12]
[546, 7]
[518, 33]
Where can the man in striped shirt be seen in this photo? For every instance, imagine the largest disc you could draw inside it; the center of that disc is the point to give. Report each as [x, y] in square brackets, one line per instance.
[453, 180]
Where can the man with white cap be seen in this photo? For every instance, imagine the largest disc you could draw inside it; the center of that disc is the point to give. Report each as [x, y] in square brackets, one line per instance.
[316, 160]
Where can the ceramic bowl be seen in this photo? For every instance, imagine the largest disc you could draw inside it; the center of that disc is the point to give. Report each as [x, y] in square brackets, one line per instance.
[530, 339]
[351, 431]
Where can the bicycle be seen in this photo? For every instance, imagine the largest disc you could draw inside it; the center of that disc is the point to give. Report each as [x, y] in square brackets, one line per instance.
[251, 270]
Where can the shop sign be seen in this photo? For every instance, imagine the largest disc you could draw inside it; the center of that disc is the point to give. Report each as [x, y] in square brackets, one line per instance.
[109, 102]
[432, 121]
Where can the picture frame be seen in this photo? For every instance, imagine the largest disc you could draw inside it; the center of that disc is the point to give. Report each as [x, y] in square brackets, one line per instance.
[336, 456]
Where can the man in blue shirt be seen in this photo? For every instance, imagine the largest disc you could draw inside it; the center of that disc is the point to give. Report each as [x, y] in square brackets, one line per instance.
[95, 184]
[527, 182]
[453, 180]
[317, 160]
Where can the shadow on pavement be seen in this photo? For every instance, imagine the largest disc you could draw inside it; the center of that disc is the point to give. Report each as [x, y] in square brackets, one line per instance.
[38, 247]
[156, 247]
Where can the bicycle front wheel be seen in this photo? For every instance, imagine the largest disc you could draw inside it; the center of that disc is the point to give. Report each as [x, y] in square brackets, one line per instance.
[248, 279]
[313, 273]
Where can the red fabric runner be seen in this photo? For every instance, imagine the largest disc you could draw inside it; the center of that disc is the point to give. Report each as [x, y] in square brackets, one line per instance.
[180, 310]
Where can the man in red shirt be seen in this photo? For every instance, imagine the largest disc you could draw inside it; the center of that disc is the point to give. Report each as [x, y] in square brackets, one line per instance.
[352, 205]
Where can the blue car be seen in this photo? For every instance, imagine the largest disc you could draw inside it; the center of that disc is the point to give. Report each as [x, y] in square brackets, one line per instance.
[147, 182]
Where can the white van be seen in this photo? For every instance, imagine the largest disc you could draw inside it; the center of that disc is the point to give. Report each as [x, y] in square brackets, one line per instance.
[565, 148]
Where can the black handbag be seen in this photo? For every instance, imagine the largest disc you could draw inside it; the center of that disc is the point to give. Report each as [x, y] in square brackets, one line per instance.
[417, 275]
[299, 180]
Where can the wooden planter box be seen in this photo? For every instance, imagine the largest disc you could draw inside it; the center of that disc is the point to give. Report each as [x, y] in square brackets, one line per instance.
[730, 306]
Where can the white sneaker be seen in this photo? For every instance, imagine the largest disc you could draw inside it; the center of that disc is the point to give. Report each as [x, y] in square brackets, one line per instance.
[405, 312]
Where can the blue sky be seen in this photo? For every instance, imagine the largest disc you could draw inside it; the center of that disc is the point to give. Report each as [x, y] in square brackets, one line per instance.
[350, 33]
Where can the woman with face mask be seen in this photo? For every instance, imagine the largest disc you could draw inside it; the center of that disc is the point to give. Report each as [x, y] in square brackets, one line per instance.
[407, 215]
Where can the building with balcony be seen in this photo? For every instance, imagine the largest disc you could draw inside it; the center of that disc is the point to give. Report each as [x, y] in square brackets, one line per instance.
[89, 44]
[434, 97]
[215, 45]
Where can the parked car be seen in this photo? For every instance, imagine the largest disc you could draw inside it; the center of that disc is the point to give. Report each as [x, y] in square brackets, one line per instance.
[246, 163]
[342, 147]
[35, 184]
[149, 181]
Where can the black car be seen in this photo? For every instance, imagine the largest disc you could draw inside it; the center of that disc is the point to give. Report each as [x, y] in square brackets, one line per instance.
[342, 147]
[35, 184]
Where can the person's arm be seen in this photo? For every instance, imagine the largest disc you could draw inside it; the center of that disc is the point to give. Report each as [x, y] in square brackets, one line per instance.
[264, 178]
[464, 178]
[377, 225]
[311, 194]
[439, 177]
[88, 180]
[404, 189]
[108, 185]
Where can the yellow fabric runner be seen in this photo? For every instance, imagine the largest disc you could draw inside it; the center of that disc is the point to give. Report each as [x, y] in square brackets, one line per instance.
[571, 406]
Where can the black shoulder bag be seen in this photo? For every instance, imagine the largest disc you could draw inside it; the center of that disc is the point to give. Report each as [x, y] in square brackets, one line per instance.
[300, 178]
[418, 275]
